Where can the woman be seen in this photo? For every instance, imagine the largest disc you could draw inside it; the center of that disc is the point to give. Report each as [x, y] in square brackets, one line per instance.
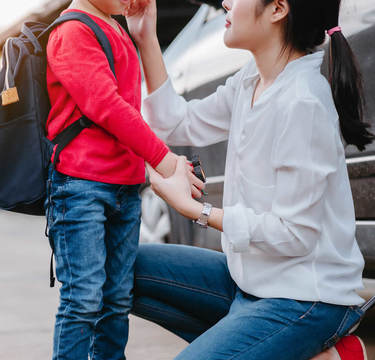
[285, 287]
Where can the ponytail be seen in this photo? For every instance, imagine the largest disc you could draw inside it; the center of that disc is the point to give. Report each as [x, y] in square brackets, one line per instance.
[347, 89]
[306, 26]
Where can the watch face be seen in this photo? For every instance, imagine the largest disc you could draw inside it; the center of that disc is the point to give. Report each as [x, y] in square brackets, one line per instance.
[206, 209]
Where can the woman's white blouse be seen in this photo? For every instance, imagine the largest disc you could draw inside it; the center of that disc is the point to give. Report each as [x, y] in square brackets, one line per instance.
[289, 222]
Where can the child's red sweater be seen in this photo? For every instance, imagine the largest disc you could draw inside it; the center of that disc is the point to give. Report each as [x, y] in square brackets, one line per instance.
[80, 81]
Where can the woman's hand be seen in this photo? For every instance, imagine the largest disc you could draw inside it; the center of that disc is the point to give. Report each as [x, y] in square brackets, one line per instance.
[176, 190]
[167, 167]
[141, 18]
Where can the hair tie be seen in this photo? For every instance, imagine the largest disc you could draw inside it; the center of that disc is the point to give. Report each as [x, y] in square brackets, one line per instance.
[330, 32]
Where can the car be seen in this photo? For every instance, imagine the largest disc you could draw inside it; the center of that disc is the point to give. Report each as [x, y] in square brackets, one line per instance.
[198, 62]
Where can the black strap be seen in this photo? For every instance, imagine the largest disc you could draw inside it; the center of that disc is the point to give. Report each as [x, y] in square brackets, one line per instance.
[26, 30]
[62, 140]
[73, 130]
[51, 276]
[68, 134]
[84, 18]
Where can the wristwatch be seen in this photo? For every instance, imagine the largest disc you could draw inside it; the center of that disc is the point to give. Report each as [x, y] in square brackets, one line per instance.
[203, 218]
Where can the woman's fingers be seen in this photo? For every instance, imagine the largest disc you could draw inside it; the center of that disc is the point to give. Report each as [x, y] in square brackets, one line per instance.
[196, 182]
[181, 167]
[195, 193]
[189, 166]
[197, 185]
[153, 174]
[154, 178]
[149, 169]
[182, 174]
[193, 179]
[181, 164]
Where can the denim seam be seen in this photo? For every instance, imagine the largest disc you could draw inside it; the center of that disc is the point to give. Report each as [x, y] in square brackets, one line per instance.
[359, 311]
[175, 283]
[130, 232]
[163, 312]
[124, 202]
[293, 322]
[343, 321]
[114, 211]
[70, 281]
[93, 342]
[112, 251]
[335, 336]
[259, 342]
[308, 311]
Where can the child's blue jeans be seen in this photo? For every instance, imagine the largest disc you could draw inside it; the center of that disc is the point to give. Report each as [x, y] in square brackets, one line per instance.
[190, 292]
[94, 228]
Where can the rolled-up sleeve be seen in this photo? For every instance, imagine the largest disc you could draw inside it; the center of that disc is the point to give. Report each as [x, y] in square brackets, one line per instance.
[304, 156]
[191, 123]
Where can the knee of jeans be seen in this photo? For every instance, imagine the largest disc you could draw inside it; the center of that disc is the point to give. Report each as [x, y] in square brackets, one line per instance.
[87, 303]
[150, 257]
[120, 301]
[146, 253]
[86, 307]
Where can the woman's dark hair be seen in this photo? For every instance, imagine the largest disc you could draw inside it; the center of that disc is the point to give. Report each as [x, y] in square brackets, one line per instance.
[305, 29]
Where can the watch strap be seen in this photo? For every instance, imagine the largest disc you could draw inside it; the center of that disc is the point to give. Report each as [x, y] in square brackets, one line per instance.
[205, 214]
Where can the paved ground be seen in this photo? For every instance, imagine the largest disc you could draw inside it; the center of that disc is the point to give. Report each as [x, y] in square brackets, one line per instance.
[28, 305]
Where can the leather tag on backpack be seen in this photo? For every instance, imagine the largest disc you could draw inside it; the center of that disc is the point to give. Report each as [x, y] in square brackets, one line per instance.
[10, 96]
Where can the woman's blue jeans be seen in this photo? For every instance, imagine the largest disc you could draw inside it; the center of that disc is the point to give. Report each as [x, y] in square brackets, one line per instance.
[94, 228]
[189, 291]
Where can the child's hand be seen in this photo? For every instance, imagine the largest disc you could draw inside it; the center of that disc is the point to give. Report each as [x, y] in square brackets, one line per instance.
[141, 18]
[135, 7]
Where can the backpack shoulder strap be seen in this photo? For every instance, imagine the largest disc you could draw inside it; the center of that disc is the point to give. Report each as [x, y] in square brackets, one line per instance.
[84, 18]
[68, 134]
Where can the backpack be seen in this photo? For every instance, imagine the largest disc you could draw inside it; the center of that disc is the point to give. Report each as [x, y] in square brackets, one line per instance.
[25, 152]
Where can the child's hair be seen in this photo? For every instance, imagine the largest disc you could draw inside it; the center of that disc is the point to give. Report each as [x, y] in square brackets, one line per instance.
[305, 29]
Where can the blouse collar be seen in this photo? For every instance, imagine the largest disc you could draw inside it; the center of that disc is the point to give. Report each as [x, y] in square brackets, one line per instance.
[312, 61]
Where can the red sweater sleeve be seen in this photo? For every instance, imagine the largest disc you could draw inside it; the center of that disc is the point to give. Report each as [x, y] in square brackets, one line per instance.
[79, 63]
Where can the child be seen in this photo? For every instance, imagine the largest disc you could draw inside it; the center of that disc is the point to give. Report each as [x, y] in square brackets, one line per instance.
[95, 206]
[285, 287]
